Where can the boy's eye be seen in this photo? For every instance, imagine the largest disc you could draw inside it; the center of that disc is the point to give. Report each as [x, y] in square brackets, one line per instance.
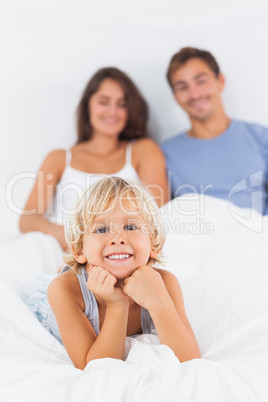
[102, 230]
[130, 227]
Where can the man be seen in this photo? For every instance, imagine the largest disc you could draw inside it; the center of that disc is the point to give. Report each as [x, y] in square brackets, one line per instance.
[217, 156]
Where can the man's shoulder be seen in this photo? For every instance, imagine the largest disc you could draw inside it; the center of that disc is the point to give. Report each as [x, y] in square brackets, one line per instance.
[253, 132]
[170, 142]
[253, 128]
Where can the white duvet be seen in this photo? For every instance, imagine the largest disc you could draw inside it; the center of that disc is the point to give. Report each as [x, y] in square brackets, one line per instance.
[222, 265]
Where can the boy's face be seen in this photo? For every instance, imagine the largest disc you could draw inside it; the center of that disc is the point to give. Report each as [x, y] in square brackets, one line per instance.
[119, 241]
[197, 90]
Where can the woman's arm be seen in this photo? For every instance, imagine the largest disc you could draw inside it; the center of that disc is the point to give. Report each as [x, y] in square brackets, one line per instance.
[77, 334]
[159, 291]
[149, 162]
[32, 218]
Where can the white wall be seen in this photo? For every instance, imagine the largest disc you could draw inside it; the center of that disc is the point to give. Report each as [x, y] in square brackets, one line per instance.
[50, 48]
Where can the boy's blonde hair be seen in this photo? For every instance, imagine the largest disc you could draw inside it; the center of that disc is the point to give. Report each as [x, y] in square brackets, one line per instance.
[103, 196]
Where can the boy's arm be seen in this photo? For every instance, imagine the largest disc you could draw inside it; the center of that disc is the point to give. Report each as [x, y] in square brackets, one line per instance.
[171, 322]
[78, 335]
[159, 292]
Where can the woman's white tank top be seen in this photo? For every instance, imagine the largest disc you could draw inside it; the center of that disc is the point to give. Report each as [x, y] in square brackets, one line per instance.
[73, 182]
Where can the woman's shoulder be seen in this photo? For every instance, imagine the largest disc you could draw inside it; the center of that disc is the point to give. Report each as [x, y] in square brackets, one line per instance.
[54, 162]
[146, 146]
[56, 157]
[145, 142]
[57, 154]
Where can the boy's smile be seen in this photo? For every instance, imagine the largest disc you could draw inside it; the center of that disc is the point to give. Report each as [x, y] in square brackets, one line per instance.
[119, 257]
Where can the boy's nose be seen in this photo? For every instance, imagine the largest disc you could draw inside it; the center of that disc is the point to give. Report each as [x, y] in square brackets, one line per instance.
[118, 239]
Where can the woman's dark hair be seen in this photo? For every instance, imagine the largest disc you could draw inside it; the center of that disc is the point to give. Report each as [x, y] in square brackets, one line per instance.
[136, 106]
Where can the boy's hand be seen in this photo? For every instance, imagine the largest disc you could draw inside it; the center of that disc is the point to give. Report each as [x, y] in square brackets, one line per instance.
[101, 283]
[145, 286]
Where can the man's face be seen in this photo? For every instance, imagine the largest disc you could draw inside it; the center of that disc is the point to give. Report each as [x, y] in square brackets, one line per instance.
[197, 90]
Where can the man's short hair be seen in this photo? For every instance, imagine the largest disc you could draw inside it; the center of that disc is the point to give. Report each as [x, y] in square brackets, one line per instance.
[180, 58]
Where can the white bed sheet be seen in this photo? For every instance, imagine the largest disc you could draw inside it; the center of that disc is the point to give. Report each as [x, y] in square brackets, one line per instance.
[225, 285]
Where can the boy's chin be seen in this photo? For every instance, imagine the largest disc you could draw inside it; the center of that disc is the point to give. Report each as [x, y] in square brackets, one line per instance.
[121, 277]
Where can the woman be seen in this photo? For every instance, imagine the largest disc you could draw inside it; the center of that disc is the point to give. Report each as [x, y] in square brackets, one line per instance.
[112, 140]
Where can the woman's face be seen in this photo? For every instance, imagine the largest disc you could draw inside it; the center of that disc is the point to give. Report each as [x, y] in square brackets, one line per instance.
[108, 109]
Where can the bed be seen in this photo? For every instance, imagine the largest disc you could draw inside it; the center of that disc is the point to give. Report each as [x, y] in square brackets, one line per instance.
[219, 254]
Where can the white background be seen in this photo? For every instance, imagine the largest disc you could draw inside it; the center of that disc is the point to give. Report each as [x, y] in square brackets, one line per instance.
[49, 49]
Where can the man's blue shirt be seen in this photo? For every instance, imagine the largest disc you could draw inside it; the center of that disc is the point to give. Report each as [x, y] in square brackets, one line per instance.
[232, 166]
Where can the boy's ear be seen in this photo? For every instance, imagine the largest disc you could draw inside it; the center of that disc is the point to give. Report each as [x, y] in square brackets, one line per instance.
[80, 256]
[154, 254]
